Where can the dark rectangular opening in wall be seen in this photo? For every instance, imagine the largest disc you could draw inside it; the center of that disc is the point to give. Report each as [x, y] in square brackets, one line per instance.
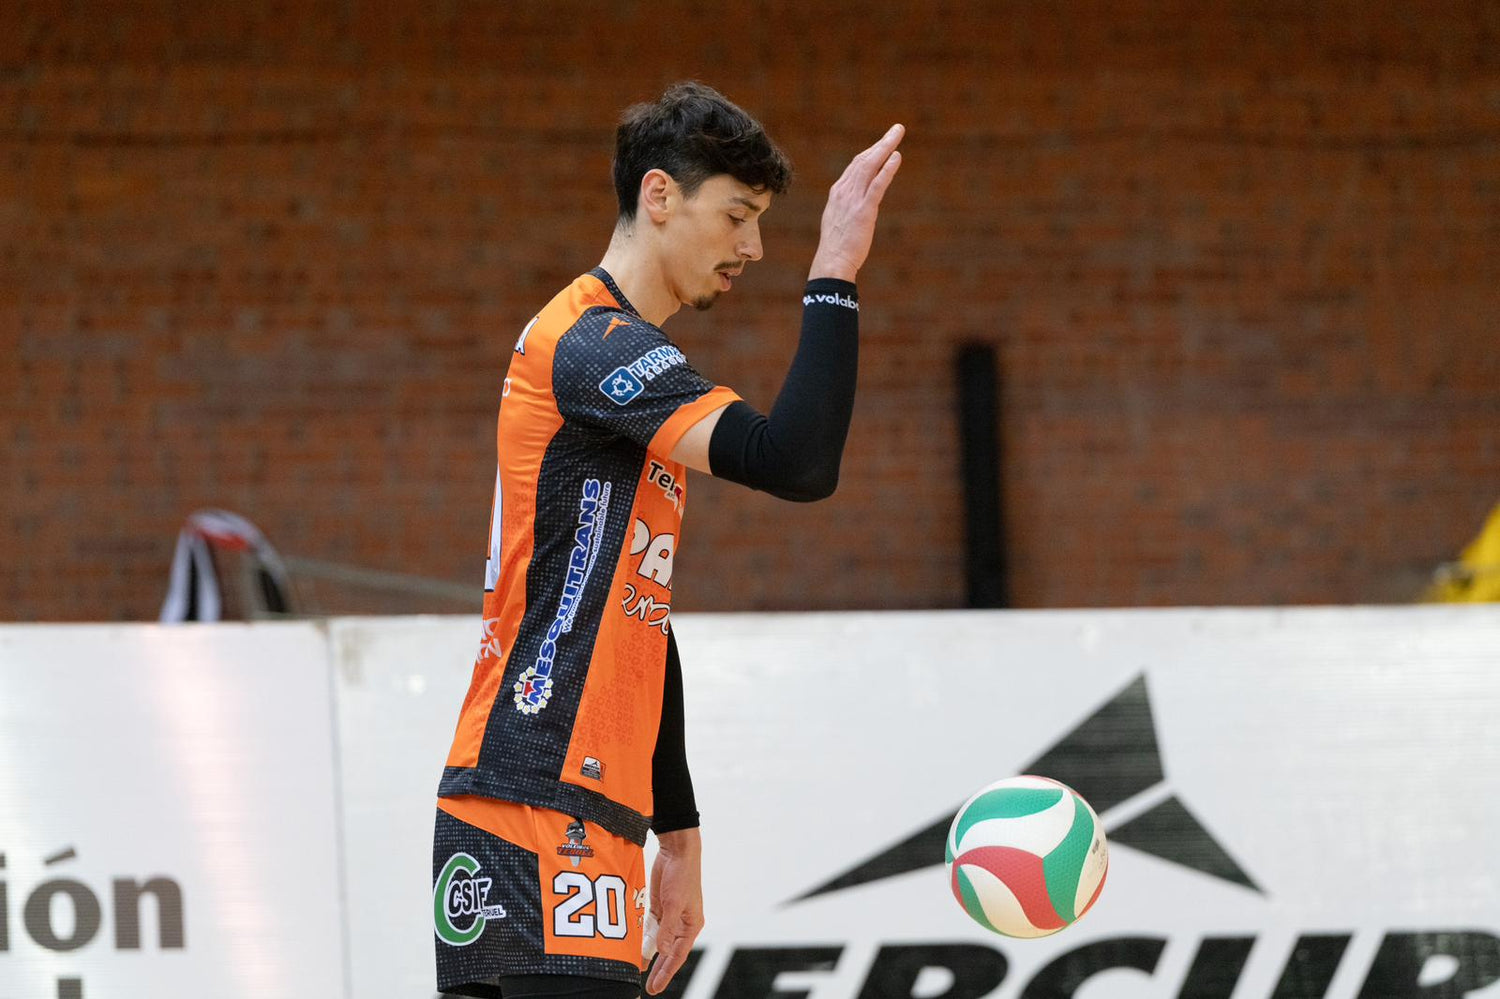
[976, 368]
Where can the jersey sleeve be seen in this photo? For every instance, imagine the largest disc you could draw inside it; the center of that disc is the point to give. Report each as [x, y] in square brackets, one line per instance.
[620, 374]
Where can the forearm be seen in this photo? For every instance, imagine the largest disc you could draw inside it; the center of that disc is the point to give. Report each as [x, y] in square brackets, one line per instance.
[686, 844]
[675, 807]
[795, 451]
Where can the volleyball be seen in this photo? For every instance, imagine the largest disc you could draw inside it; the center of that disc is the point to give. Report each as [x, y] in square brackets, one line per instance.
[1026, 856]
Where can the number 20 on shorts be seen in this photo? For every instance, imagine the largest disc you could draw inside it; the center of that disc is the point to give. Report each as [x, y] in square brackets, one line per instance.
[577, 892]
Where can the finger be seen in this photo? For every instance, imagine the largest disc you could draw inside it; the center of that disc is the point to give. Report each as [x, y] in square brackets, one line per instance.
[884, 177]
[867, 162]
[885, 145]
[881, 147]
[669, 958]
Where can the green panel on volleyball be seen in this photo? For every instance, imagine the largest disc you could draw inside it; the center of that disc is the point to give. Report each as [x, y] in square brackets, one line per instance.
[1006, 803]
[1064, 865]
[971, 902]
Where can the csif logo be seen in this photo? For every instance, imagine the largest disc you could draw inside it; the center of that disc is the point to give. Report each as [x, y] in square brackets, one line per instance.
[460, 902]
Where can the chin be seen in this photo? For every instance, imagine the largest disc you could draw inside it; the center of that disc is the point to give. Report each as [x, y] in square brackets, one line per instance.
[706, 302]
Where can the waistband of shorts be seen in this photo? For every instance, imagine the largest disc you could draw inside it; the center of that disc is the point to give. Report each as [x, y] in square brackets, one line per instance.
[591, 806]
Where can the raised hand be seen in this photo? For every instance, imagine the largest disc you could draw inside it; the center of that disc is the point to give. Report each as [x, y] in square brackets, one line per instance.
[853, 204]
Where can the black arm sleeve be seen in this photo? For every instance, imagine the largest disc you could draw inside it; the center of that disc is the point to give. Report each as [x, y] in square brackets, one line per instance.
[674, 806]
[794, 453]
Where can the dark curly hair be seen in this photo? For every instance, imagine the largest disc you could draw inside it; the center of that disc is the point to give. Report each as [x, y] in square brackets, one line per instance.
[694, 132]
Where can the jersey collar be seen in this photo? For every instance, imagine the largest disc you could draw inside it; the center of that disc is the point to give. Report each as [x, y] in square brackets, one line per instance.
[614, 289]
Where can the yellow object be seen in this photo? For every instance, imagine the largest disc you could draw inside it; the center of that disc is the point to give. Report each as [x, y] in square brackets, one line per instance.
[1475, 577]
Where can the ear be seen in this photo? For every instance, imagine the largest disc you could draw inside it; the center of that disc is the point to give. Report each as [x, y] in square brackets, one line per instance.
[658, 191]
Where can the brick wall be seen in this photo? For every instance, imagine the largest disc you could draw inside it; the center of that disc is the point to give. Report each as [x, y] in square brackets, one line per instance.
[1240, 263]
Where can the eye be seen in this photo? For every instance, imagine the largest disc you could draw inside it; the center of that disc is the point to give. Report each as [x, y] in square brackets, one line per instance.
[737, 220]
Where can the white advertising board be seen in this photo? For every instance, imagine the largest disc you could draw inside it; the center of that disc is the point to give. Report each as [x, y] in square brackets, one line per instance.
[167, 813]
[1300, 803]
[399, 686]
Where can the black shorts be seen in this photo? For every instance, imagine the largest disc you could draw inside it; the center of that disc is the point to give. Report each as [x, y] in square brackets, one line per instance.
[522, 891]
[552, 987]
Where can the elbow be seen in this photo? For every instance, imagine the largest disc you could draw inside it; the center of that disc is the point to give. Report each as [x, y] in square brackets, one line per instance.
[818, 484]
[824, 487]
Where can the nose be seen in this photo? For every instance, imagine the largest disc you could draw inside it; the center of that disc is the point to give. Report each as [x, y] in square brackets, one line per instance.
[749, 246]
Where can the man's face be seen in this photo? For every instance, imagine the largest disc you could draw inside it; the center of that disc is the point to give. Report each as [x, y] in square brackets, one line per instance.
[711, 236]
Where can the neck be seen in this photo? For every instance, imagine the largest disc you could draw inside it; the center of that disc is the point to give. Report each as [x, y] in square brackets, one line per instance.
[639, 275]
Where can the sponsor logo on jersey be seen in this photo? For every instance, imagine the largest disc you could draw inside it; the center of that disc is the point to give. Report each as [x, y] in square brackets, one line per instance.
[825, 299]
[575, 848]
[656, 553]
[592, 768]
[629, 380]
[461, 901]
[657, 474]
[640, 604]
[621, 386]
[489, 642]
[534, 687]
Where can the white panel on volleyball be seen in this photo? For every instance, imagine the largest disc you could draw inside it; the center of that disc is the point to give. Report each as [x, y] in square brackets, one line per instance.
[1001, 907]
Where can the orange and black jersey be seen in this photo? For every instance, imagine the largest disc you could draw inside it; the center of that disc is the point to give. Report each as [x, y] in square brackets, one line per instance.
[566, 697]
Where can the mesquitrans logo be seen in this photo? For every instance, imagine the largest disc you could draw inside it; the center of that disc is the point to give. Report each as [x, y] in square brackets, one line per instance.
[822, 298]
[533, 689]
